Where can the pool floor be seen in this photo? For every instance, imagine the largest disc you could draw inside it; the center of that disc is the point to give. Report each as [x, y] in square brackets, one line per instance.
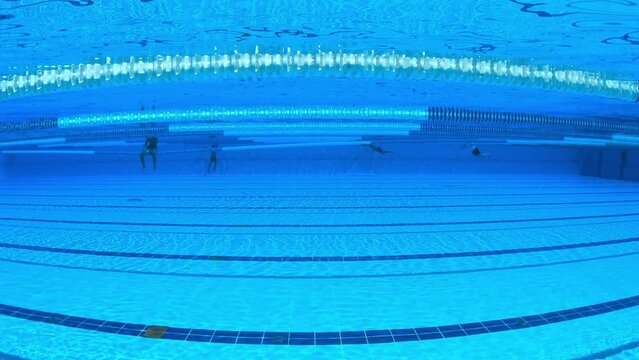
[357, 266]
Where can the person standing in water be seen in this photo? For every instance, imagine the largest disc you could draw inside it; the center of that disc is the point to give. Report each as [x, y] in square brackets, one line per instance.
[213, 158]
[150, 148]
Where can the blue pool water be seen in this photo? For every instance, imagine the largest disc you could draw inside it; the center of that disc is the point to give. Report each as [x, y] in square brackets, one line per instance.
[392, 180]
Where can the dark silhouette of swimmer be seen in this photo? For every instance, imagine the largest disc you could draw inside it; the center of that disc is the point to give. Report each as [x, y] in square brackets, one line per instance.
[378, 149]
[150, 148]
[213, 158]
[477, 153]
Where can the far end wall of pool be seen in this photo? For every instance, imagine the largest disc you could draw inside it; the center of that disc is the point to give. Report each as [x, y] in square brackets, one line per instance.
[174, 159]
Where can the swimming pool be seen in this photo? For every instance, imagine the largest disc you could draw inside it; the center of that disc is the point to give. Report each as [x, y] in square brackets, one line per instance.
[350, 180]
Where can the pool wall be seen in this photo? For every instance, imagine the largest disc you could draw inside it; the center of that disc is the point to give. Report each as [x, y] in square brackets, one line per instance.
[406, 158]
[610, 163]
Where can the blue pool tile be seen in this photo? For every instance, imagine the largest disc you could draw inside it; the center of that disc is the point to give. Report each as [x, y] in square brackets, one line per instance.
[520, 324]
[94, 322]
[426, 330]
[321, 338]
[249, 340]
[471, 325]
[226, 333]
[275, 338]
[327, 335]
[124, 331]
[492, 322]
[617, 306]
[498, 328]
[178, 330]
[572, 316]
[380, 339]
[475, 331]
[336, 341]
[588, 312]
[582, 309]
[603, 310]
[78, 319]
[88, 326]
[300, 341]
[202, 332]
[55, 319]
[108, 329]
[259, 334]
[346, 334]
[302, 335]
[174, 336]
[550, 315]
[377, 333]
[397, 332]
[200, 338]
[511, 321]
[453, 333]
[551, 320]
[35, 317]
[275, 333]
[449, 328]
[401, 338]
[70, 323]
[353, 341]
[134, 326]
[109, 323]
[36, 312]
[537, 322]
[224, 339]
[430, 336]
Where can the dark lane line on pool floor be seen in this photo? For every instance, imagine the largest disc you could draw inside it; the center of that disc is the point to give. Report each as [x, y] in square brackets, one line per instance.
[356, 225]
[317, 258]
[152, 207]
[315, 234]
[315, 277]
[316, 196]
[609, 353]
[318, 338]
[313, 188]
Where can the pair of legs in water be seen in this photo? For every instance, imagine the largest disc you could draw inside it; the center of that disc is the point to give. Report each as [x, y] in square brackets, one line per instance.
[151, 148]
[213, 158]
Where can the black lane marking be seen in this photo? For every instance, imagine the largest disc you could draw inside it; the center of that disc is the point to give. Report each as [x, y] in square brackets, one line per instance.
[318, 277]
[369, 225]
[318, 338]
[316, 196]
[317, 258]
[317, 207]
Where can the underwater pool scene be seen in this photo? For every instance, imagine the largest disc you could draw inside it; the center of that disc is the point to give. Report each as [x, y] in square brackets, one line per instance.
[397, 179]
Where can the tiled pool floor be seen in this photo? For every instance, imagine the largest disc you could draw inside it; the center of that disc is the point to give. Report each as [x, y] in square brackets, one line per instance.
[325, 267]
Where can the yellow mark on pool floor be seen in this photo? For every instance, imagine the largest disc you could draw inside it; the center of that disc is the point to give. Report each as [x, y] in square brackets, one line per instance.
[155, 332]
